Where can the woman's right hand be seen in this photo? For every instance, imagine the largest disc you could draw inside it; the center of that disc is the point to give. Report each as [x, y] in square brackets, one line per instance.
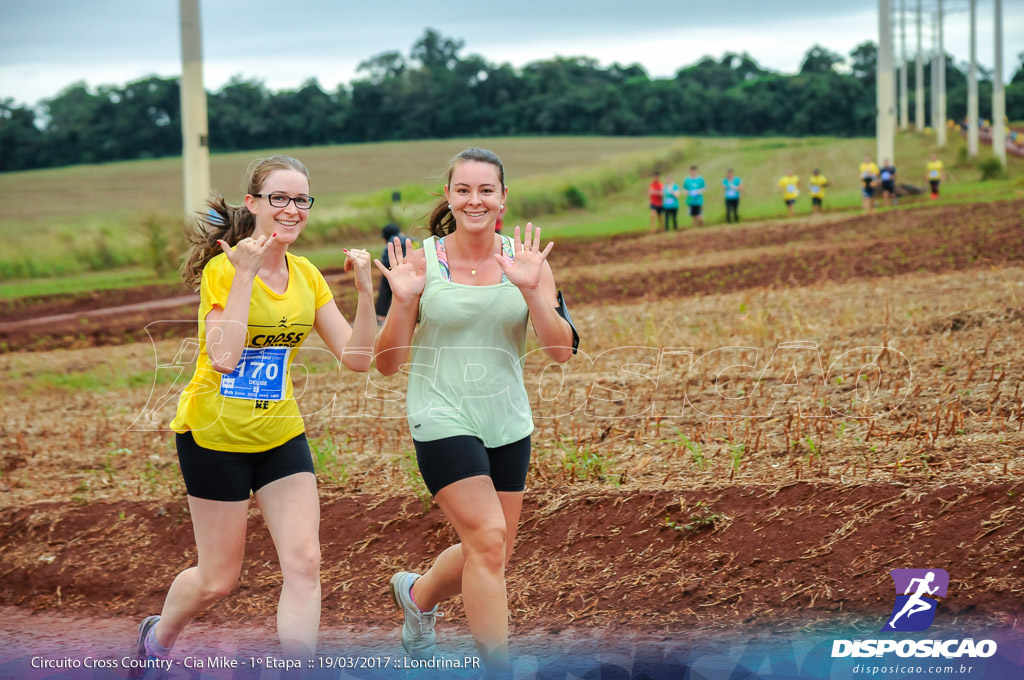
[358, 260]
[405, 277]
[248, 255]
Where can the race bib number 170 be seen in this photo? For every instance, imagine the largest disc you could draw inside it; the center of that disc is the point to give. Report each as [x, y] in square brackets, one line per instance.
[259, 375]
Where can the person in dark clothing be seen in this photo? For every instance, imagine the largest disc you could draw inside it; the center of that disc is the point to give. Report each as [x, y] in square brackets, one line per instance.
[390, 232]
[887, 174]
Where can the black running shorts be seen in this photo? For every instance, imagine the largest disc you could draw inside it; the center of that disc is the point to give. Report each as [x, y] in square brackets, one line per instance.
[232, 476]
[449, 460]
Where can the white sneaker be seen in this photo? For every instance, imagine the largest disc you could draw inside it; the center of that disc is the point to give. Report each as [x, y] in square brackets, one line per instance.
[418, 637]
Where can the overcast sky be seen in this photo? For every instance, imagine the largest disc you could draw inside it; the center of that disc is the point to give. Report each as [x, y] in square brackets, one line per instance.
[46, 45]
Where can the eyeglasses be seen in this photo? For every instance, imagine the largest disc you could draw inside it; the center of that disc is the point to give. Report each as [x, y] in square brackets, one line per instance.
[282, 200]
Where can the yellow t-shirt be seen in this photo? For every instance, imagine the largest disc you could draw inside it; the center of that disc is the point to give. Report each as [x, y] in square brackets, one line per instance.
[790, 187]
[253, 409]
[934, 170]
[868, 171]
[818, 183]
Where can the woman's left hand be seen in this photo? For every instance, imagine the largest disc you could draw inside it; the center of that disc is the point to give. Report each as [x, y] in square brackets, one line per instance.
[526, 267]
[359, 260]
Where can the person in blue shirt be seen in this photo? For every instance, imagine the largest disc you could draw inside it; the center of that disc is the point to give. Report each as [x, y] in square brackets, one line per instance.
[733, 186]
[670, 203]
[694, 188]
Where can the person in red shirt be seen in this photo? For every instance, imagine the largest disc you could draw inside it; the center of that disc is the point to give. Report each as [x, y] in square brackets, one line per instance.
[501, 216]
[657, 196]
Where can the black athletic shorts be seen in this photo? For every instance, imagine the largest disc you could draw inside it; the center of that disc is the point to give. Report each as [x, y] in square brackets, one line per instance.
[449, 460]
[868, 192]
[790, 201]
[232, 476]
[815, 202]
[889, 186]
[657, 208]
[695, 210]
[934, 183]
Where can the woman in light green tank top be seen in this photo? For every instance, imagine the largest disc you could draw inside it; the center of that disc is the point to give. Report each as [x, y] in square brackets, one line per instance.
[458, 319]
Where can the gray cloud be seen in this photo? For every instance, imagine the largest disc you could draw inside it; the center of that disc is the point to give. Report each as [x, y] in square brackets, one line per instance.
[46, 45]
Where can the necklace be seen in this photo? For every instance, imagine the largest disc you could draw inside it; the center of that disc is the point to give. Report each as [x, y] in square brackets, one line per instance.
[472, 269]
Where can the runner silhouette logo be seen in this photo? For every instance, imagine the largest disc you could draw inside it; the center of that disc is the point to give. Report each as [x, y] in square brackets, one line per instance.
[916, 590]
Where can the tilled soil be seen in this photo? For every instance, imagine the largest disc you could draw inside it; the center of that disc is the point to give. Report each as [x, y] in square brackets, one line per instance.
[801, 552]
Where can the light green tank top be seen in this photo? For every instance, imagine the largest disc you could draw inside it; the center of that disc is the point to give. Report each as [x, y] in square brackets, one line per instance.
[466, 372]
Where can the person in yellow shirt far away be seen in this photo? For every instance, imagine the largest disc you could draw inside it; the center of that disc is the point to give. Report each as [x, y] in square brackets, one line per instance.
[869, 177]
[790, 185]
[936, 173]
[818, 183]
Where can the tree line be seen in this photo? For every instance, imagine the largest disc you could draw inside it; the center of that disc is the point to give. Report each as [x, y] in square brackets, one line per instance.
[436, 92]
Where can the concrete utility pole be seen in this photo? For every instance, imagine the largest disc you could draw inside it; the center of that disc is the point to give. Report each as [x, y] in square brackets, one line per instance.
[940, 120]
[934, 72]
[999, 92]
[972, 86]
[904, 95]
[195, 148]
[885, 123]
[919, 75]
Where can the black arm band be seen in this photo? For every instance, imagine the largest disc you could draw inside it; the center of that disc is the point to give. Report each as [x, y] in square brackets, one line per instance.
[563, 312]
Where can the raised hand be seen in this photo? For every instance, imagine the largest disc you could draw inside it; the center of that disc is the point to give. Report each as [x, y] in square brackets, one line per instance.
[248, 254]
[358, 260]
[526, 268]
[406, 278]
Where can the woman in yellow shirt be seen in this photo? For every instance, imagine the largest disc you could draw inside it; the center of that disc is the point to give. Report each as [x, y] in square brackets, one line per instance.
[790, 185]
[936, 173]
[818, 183]
[868, 173]
[239, 430]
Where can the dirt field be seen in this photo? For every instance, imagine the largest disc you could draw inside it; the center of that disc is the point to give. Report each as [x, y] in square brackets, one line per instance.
[763, 422]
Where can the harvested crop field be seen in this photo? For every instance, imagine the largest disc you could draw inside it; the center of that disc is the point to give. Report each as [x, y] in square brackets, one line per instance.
[762, 422]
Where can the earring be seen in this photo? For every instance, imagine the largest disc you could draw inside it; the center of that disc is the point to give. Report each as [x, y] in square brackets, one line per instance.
[449, 206]
[502, 206]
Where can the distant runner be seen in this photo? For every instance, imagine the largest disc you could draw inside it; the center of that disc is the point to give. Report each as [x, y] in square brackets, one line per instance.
[671, 203]
[936, 174]
[733, 186]
[868, 176]
[656, 196]
[694, 188]
[790, 185]
[818, 183]
[888, 177]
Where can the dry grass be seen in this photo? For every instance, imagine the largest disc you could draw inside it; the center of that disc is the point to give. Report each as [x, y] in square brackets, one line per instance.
[957, 415]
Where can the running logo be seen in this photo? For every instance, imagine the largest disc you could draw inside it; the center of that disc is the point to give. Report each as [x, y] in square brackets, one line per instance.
[915, 611]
